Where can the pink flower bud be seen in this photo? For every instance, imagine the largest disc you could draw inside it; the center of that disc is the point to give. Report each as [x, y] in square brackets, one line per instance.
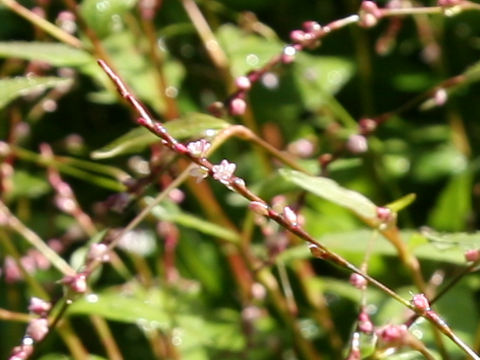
[243, 83]
[312, 27]
[39, 306]
[357, 144]
[358, 281]
[297, 36]
[367, 125]
[290, 216]
[22, 352]
[288, 54]
[472, 255]
[420, 302]
[259, 208]
[384, 214]
[393, 334]
[316, 251]
[440, 97]
[78, 282]
[369, 14]
[365, 325]
[37, 329]
[237, 107]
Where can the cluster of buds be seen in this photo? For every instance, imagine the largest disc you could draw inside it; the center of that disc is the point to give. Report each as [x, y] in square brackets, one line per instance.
[309, 36]
[365, 325]
[392, 335]
[77, 283]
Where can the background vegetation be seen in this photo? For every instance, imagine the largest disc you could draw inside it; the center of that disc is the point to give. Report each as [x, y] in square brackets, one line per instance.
[201, 276]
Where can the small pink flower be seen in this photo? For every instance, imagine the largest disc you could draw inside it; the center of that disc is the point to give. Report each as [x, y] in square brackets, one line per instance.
[198, 148]
[420, 301]
[358, 281]
[199, 173]
[224, 171]
[39, 306]
[37, 329]
[98, 252]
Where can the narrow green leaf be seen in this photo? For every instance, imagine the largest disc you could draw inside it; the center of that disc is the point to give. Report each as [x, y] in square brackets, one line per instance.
[138, 139]
[331, 191]
[168, 212]
[55, 54]
[402, 203]
[12, 88]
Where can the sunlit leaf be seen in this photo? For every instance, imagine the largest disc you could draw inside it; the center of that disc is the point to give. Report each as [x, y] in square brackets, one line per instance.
[138, 139]
[246, 51]
[332, 191]
[104, 16]
[156, 309]
[12, 88]
[319, 76]
[55, 54]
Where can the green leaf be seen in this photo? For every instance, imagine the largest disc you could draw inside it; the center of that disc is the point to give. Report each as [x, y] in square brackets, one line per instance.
[28, 185]
[138, 139]
[333, 192]
[55, 54]
[138, 71]
[246, 51]
[12, 88]
[318, 76]
[156, 309]
[454, 204]
[169, 212]
[401, 203]
[105, 16]
[439, 162]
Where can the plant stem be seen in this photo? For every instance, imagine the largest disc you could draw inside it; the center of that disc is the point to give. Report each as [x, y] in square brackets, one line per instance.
[34, 240]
